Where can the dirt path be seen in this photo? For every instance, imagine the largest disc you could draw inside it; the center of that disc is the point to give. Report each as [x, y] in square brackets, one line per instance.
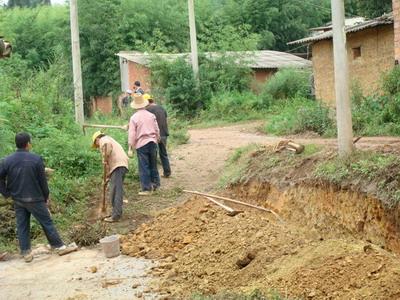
[197, 166]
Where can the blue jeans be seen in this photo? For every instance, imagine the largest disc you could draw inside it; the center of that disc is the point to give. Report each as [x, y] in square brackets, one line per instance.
[39, 210]
[147, 161]
[162, 146]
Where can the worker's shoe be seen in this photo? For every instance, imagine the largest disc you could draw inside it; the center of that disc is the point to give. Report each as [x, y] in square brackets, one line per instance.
[66, 249]
[145, 193]
[28, 257]
[166, 175]
[110, 220]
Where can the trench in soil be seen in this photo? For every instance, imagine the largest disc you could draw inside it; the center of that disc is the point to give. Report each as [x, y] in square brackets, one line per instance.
[328, 210]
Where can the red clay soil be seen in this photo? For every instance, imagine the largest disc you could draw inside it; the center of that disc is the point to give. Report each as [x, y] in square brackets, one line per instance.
[201, 249]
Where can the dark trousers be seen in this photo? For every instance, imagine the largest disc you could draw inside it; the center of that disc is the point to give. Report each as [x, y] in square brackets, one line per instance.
[162, 147]
[117, 191]
[41, 213]
[147, 161]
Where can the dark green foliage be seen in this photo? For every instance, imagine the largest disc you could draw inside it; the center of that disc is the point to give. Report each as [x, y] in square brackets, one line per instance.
[27, 3]
[281, 21]
[174, 81]
[379, 114]
[391, 82]
[99, 41]
[37, 34]
[223, 74]
[369, 8]
[288, 83]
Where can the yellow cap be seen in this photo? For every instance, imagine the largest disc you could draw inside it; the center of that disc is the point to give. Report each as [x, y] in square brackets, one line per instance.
[95, 136]
[147, 96]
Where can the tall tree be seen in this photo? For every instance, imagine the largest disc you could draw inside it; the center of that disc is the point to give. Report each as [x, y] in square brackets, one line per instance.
[369, 8]
[27, 3]
[100, 40]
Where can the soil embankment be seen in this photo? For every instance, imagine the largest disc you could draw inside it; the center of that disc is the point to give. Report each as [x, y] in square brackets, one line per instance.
[337, 242]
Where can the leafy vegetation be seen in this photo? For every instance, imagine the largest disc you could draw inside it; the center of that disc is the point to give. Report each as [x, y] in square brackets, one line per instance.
[379, 170]
[287, 83]
[174, 82]
[379, 114]
[234, 107]
[300, 115]
[373, 173]
[369, 8]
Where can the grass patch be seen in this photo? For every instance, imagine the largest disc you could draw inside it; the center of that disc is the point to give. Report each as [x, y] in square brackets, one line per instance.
[367, 168]
[232, 107]
[237, 165]
[299, 115]
[373, 173]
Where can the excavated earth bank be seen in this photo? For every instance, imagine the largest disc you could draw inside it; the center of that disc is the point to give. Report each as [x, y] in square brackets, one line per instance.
[334, 243]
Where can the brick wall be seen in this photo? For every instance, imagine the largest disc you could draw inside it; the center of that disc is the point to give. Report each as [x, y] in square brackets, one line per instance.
[141, 73]
[102, 104]
[377, 56]
[396, 15]
[260, 76]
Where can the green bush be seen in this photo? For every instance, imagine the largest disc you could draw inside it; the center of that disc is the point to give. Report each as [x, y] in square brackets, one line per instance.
[234, 106]
[287, 83]
[379, 114]
[391, 82]
[223, 74]
[300, 115]
[174, 81]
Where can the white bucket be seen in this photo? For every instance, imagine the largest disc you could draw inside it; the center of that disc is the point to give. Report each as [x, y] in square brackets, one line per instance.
[110, 245]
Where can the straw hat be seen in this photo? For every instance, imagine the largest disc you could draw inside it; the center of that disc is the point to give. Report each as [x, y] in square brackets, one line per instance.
[96, 135]
[139, 102]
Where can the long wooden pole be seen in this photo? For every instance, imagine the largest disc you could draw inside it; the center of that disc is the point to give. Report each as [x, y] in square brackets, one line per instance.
[235, 201]
[230, 210]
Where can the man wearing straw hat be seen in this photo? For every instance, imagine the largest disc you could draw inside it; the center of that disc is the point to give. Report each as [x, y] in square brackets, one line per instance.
[115, 162]
[144, 135]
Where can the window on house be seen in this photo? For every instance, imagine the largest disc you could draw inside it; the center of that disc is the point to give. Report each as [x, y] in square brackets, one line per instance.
[356, 52]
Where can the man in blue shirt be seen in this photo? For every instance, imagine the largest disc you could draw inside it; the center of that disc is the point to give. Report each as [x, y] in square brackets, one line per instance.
[23, 178]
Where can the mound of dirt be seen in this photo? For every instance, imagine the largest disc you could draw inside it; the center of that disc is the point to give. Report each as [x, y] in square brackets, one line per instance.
[201, 249]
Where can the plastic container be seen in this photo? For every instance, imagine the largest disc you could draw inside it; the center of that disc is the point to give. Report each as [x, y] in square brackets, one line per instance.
[110, 245]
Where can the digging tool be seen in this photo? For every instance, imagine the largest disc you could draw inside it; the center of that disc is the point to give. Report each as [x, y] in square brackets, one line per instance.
[235, 201]
[123, 127]
[105, 179]
[230, 211]
[357, 139]
[105, 182]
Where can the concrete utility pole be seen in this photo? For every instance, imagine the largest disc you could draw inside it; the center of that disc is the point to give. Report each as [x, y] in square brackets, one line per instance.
[193, 39]
[76, 63]
[343, 108]
[396, 16]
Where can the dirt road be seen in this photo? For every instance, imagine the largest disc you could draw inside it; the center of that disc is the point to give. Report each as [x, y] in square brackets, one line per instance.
[196, 165]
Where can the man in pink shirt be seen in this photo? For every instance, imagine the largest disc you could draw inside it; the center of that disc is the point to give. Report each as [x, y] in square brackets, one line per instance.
[144, 135]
